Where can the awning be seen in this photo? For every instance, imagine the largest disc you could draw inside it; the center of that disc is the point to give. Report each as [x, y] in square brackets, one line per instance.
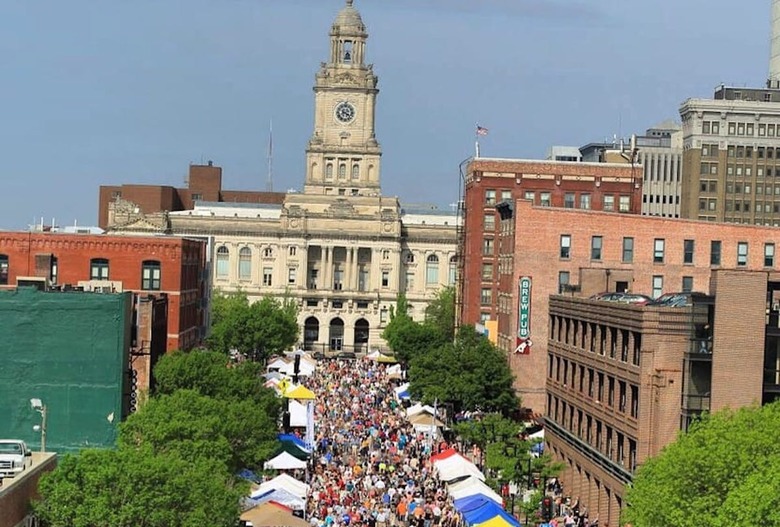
[298, 416]
[455, 467]
[284, 461]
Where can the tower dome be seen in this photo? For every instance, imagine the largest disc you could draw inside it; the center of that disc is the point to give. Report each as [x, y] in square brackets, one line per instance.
[349, 19]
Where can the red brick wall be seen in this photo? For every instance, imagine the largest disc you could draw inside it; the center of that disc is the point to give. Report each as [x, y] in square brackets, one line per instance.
[520, 176]
[181, 261]
[537, 245]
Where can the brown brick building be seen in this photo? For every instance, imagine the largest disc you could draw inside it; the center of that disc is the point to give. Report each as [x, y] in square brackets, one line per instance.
[573, 185]
[204, 183]
[618, 381]
[157, 266]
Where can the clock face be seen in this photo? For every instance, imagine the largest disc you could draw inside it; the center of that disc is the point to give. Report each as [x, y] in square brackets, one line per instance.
[345, 112]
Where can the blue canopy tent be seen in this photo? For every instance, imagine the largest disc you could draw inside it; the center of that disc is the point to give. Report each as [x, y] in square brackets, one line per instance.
[290, 438]
[479, 509]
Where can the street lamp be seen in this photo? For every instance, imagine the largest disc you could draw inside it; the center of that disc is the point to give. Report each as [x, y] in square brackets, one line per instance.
[37, 405]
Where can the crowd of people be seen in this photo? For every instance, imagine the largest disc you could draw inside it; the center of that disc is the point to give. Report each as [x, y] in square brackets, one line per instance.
[371, 467]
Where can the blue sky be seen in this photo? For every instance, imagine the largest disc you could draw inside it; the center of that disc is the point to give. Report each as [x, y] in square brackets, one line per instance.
[107, 91]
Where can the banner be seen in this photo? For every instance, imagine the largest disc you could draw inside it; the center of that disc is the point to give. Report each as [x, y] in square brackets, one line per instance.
[310, 425]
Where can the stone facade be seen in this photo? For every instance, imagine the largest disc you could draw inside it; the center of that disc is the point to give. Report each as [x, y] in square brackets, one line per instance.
[340, 249]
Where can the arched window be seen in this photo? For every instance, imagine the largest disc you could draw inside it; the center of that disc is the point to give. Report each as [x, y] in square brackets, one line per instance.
[432, 270]
[223, 265]
[150, 275]
[355, 171]
[329, 171]
[98, 269]
[342, 170]
[453, 271]
[245, 263]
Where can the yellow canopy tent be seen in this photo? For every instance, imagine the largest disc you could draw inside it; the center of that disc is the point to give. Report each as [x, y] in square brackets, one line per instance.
[299, 392]
[497, 521]
[387, 359]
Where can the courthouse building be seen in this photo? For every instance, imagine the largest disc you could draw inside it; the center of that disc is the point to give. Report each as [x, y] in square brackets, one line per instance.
[340, 249]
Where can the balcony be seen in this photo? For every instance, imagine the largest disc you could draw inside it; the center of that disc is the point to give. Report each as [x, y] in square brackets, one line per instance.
[700, 349]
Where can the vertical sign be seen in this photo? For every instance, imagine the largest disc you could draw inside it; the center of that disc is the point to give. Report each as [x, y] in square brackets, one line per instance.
[524, 342]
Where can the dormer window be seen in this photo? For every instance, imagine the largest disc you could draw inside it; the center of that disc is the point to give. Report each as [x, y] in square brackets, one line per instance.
[347, 52]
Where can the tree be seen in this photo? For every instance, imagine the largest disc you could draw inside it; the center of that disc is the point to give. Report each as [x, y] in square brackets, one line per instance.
[212, 374]
[724, 471]
[239, 433]
[407, 338]
[470, 373]
[257, 330]
[132, 487]
[440, 313]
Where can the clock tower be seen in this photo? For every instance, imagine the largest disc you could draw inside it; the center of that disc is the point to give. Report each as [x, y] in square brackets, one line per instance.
[343, 155]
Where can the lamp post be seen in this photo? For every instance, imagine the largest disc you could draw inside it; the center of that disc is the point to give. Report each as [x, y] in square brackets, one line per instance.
[39, 407]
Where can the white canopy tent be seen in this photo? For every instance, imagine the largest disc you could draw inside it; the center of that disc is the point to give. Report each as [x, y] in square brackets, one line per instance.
[305, 369]
[297, 414]
[457, 466]
[283, 482]
[419, 408]
[284, 461]
[470, 487]
[276, 364]
[285, 497]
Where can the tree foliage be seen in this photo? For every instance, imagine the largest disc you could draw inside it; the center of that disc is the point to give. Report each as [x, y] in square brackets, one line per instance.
[470, 373]
[239, 433]
[257, 330]
[136, 487]
[440, 313]
[407, 338]
[725, 471]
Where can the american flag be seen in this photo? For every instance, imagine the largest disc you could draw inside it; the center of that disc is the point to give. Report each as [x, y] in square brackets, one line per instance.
[481, 130]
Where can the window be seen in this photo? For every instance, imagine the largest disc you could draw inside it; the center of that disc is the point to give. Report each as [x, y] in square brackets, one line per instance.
[98, 269]
[355, 171]
[292, 250]
[563, 281]
[150, 275]
[742, 254]
[223, 256]
[565, 246]
[658, 250]
[585, 201]
[487, 247]
[292, 275]
[385, 278]
[3, 269]
[568, 200]
[545, 200]
[55, 269]
[530, 196]
[432, 270]
[687, 284]
[338, 277]
[453, 270]
[688, 246]
[342, 170]
[409, 279]
[486, 296]
[715, 252]
[490, 222]
[490, 197]
[506, 195]
[197, 196]
[268, 252]
[769, 255]
[268, 276]
[487, 271]
[658, 286]
[625, 203]
[609, 203]
[329, 171]
[628, 250]
[595, 247]
[245, 263]
[408, 257]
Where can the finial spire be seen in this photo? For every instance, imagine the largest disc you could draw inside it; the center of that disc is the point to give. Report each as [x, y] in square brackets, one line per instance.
[349, 3]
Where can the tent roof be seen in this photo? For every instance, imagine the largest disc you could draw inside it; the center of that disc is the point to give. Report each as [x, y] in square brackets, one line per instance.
[443, 455]
[299, 392]
[284, 461]
[489, 511]
[455, 467]
[295, 450]
[387, 360]
[419, 408]
[425, 419]
[277, 363]
[284, 482]
[281, 496]
[472, 486]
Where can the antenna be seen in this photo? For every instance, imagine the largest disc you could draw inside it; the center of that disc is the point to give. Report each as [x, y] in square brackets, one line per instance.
[269, 184]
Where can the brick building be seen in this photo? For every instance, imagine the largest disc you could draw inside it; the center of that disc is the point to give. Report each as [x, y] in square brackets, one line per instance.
[573, 185]
[618, 381]
[204, 183]
[173, 267]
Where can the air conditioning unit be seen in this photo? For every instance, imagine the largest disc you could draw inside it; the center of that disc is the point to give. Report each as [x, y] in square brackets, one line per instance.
[39, 282]
[101, 286]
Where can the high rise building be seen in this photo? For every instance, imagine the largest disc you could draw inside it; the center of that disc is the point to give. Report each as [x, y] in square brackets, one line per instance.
[340, 249]
[731, 145]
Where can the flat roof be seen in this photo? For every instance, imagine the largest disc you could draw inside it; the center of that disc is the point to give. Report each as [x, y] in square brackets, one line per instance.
[40, 460]
[547, 162]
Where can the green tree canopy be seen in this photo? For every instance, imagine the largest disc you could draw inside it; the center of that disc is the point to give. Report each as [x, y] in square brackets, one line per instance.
[138, 488]
[257, 330]
[240, 433]
[723, 472]
[440, 313]
[407, 338]
[470, 374]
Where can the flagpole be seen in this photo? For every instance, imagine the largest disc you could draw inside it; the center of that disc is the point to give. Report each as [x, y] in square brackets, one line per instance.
[476, 141]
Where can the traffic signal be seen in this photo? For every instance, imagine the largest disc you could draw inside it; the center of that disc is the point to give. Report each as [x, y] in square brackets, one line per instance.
[547, 508]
